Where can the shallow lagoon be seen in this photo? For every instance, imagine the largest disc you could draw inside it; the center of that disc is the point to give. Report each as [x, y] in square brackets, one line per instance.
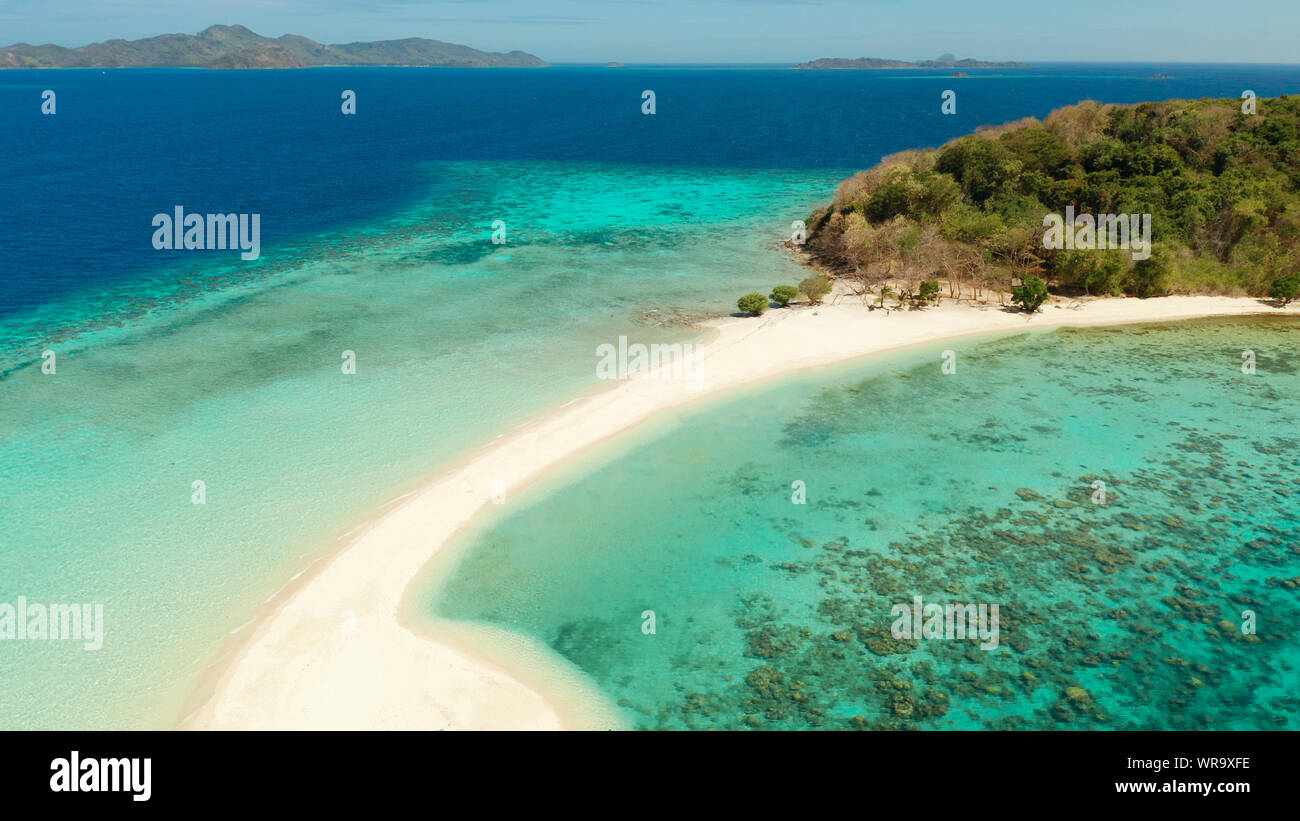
[975, 487]
[235, 378]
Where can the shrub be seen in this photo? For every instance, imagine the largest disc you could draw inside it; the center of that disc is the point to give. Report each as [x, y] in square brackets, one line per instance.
[1030, 296]
[929, 291]
[1285, 289]
[782, 294]
[815, 288]
[754, 304]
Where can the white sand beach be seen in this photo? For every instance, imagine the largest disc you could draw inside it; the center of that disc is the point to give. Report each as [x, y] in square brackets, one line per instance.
[333, 651]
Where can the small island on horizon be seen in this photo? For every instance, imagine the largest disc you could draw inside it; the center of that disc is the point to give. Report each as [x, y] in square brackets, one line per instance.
[943, 61]
[227, 47]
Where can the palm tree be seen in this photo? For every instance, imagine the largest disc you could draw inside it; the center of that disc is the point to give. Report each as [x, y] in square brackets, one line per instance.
[885, 291]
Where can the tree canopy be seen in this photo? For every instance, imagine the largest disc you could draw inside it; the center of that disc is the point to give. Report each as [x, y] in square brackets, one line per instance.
[1222, 188]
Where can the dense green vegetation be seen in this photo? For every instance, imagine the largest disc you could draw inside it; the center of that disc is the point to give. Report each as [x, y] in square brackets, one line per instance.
[1286, 289]
[1222, 188]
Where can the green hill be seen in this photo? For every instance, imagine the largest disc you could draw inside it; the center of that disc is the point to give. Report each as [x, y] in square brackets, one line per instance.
[1222, 188]
[237, 47]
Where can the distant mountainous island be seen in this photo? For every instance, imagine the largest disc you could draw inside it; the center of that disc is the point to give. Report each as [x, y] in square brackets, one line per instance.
[238, 47]
[943, 61]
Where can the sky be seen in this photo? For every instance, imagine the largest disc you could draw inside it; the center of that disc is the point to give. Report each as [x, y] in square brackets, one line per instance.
[717, 31]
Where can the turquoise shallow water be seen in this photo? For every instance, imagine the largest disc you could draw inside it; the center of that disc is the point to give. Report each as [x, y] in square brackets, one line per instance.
[233, 377]
[974, 487]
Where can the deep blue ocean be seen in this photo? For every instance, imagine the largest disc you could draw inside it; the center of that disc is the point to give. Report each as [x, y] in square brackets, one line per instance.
[78, 189]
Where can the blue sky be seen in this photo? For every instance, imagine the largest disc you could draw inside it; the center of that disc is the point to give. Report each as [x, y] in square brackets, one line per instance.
[717, 30]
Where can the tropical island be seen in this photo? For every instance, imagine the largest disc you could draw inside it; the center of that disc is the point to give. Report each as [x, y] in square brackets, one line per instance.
[968, 218]
[943, 61]
[1220, 187]
[228, 47]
